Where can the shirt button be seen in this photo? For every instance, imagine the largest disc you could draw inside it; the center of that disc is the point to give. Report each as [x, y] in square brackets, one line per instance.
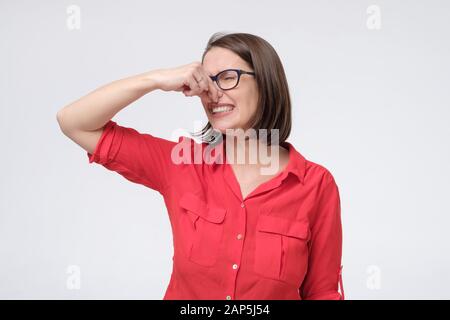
[242, 205]
[239, 236]
[228, 297]
[235, 266]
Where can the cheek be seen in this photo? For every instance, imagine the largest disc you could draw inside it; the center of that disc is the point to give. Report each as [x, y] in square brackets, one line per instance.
[246, 112]
[251, 100]
[249, 108]
[252, 108]
[248, 102]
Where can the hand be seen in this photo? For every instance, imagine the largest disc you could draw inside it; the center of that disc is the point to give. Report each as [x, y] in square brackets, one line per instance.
[192, 79]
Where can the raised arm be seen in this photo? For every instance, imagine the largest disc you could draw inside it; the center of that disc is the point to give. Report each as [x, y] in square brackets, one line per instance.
[83, 120]
[140, 157]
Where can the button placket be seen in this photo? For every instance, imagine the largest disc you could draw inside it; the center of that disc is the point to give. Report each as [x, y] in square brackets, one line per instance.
[239, 236]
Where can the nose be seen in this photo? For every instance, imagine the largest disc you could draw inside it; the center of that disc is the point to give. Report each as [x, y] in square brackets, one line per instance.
[219, 93]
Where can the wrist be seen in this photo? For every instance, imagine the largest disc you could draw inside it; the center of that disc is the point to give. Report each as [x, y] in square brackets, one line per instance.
[149, 81]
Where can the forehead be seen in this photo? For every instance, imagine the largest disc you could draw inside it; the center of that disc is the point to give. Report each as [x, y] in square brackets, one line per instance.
[218, 59]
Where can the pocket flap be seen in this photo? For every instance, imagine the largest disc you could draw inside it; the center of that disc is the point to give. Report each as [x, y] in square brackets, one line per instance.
[293, 228]
[197, 205]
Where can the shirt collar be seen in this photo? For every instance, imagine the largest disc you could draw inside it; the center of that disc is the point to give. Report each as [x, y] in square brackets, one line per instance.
[296, 164]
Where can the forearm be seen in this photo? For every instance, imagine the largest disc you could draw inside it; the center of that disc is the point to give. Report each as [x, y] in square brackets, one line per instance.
[95, 109]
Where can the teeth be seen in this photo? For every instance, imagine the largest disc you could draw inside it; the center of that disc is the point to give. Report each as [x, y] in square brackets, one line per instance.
[222, 109]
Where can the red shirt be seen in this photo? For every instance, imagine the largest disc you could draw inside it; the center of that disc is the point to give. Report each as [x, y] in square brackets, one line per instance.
[283, 241]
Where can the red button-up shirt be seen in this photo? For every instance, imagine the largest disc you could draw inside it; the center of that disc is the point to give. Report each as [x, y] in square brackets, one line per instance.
[283, 241]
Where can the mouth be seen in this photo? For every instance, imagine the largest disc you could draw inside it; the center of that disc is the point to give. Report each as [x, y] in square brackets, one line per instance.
[221, 109]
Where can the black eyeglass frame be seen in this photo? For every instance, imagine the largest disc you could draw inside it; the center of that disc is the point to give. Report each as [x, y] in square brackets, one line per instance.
[239, 72]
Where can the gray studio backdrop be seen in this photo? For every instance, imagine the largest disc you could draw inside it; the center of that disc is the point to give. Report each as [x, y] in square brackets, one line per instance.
[369, 84]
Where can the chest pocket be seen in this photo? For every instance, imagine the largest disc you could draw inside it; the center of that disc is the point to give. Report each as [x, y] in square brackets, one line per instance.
[201, 229]
[281, 248]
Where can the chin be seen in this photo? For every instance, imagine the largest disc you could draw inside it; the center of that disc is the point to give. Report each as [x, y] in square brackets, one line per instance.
[222, 129]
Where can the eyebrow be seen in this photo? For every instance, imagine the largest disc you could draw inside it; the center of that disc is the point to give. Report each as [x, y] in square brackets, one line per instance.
[212, 75]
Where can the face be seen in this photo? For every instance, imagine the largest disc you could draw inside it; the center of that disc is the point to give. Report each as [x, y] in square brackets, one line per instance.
[243, 97]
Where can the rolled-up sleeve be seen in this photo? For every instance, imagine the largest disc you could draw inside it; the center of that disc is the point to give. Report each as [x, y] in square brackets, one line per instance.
[324, 274]
[139, 157]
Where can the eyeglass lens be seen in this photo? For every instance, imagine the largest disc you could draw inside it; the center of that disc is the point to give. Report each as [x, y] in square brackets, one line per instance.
[228, 79]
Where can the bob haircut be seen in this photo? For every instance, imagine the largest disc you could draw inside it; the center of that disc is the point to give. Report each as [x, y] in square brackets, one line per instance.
[274, 102]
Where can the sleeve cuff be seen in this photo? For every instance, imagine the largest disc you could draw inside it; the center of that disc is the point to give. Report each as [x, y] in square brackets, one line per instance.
[102, 151]
[331, 294]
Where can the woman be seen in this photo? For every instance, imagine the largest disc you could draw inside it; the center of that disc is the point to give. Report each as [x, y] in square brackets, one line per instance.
[241, 229]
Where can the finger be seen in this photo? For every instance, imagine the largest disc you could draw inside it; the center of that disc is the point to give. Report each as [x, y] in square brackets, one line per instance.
[212, 90]
[213, 93]
[201, 81]
[193, 87]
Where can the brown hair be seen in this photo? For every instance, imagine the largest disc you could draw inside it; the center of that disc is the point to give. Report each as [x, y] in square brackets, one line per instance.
[274, 103]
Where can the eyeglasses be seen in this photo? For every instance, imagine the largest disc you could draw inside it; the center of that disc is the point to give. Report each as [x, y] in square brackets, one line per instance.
[229, 78]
